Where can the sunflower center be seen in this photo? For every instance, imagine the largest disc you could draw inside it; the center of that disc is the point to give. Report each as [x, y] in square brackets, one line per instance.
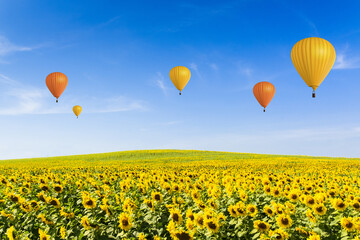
[262, 226]
[212, 225]
[125, 222]
[285, 221]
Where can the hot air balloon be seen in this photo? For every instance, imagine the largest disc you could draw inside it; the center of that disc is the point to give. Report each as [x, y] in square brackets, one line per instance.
[313, 58]
[180, 76]
[56, 83]
[77, 110]
[264, 93]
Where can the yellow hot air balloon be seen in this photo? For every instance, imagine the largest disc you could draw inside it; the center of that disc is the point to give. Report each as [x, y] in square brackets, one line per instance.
[77, 110]
[180, 76]
[313, 58]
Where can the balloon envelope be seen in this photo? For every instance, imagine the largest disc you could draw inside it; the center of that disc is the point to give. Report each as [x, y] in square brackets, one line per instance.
[264, 93]
[56, 83]
[313, 58]
[77, 110]
[180, 76]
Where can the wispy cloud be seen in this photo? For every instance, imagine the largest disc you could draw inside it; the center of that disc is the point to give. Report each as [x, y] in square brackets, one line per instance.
[214, 66]
[193, 66]
[7, 47]
[345, 62]
[18, 99]
[160, 82]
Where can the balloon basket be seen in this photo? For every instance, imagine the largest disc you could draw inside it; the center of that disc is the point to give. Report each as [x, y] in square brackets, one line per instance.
[179, 93]
[57, 100]
[264, 109]
[313, 95]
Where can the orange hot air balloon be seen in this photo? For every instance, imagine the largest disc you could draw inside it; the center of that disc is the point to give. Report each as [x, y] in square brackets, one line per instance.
[56, 83]
[264, 93]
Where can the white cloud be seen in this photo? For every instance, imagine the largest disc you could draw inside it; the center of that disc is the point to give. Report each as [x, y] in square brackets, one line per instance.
[7, 47]
[344, 62]
[214, 66]
[195, 68]
[19, 99]
[160, 82]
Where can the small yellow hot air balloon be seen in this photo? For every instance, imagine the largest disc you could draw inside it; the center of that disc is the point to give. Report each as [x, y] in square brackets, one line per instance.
[313, 58]
[180, 76]
[77, 110]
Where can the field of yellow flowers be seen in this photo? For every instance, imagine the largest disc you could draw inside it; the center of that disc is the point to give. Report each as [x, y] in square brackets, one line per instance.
[180, 195]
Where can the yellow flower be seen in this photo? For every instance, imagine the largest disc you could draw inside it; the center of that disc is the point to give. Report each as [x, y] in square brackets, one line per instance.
[269, 211]
[348, 224]
[313, 237]
[86, 223]
[58, 188]
[251, 210]
[125, 221]
[339, 204]
[284, 221]
[183, 235]
[261, 226]
[10, 233]
[212, 225]
[279, 234]
[156, 196]
[54, 202]
[89, 202]
[142, 236]
[63, 232]
[199, 219]
[43, 235]
[176, 215]
[320, 209]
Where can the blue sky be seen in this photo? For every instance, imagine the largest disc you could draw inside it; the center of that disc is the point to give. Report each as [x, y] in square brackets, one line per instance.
[117, 56]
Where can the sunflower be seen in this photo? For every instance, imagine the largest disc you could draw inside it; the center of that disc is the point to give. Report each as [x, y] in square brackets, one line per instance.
[199, 219]
[348, 224]
[171, 228]
[10, 233]
[24, 190]
[13, 197]
[89, 202]
[190, 214]
[279, 234]
[44, 187]
[309, 201]
[240, 209]
[176, 215]
[314, 237]
[276, 192]
[339, 204]
[183, 235]
[356, 205]
[190, 224]
[43, 235]
[320, 209]
[86, 223]
[142, 236]
[149, 203]
[310, 216]
[63, 232]
[125, 221]
[156, 196]
[232, 211]
[212, 225]
[294, 196]
[261, 226]
[251, 210]
[55, 202]
[25, 207]
[58, 188]
[34, 205]
[269, 211]
[42, 197]
[284, 221]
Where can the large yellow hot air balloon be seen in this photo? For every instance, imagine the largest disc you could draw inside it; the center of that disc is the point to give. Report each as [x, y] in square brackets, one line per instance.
[180, 76]
[77, 110]
[313, 58]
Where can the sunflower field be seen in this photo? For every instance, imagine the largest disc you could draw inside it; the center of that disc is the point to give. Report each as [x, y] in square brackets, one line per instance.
[180, 195]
